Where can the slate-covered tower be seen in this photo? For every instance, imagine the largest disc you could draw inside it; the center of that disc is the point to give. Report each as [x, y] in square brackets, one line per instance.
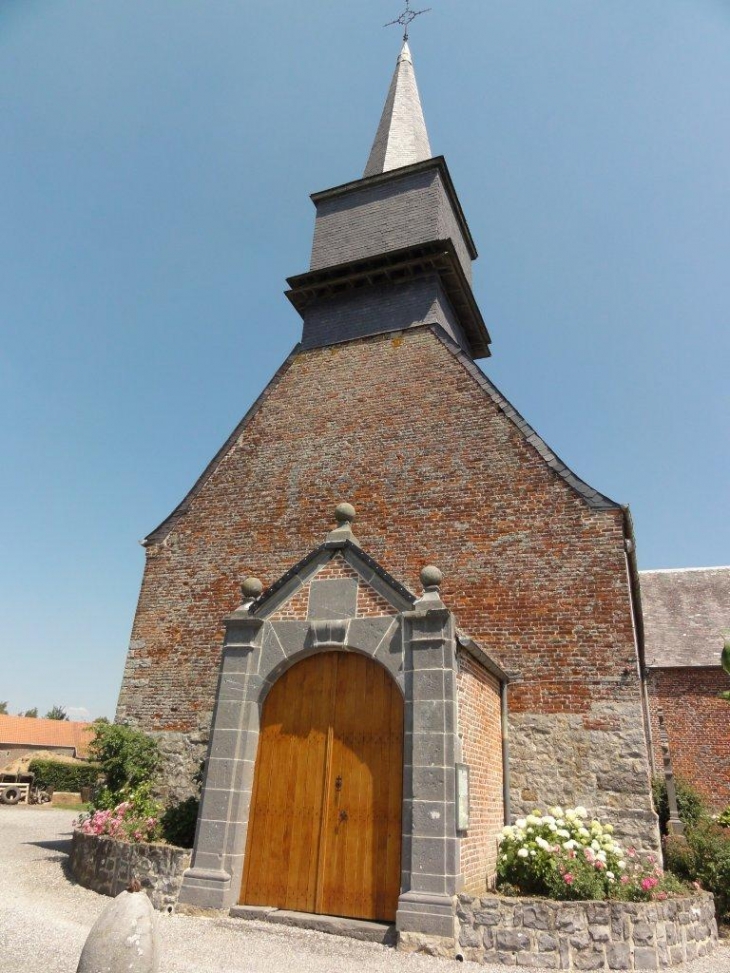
[381, 404]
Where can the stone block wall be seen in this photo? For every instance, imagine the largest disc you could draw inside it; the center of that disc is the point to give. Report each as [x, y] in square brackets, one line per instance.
[480, 731]
[586, 935]
[108, 865]
[696, 721]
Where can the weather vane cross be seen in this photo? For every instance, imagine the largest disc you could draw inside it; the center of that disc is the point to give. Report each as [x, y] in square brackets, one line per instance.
[406, 18]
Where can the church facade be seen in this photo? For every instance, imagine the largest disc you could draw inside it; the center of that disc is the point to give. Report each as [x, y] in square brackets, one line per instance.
[462, 646]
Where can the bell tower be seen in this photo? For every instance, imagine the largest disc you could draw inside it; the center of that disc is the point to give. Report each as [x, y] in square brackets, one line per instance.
[392, 250]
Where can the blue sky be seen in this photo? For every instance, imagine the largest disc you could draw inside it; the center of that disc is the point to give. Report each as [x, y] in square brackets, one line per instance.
[156, 158]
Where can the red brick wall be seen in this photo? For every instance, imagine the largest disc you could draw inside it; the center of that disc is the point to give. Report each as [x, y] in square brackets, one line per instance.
[438, 474]
[480, 726]
[697, 721]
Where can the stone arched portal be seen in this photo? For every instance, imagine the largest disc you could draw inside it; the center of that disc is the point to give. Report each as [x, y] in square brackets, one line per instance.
[338, 600]
[324, 833]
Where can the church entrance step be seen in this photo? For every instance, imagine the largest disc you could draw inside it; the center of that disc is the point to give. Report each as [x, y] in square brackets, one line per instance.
[372, 932]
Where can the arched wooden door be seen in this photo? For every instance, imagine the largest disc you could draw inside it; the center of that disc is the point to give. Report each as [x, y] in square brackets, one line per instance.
[324, 831]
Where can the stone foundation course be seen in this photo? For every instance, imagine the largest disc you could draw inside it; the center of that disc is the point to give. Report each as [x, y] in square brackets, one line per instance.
[107, 865]
[586, 935]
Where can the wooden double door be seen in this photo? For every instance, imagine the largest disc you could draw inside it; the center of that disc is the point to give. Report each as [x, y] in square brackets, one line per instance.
[324, 830]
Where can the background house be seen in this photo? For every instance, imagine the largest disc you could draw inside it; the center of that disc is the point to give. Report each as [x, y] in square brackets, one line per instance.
[686, 619]
[22, 735]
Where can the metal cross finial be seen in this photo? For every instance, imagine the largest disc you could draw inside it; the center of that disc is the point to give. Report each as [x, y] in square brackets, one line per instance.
[406, 19]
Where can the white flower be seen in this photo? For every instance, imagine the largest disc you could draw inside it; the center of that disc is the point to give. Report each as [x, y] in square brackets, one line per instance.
[532, 852]
[563, 832]
[553, 826]
[556, 811]
[521, 823]
[549, 819]
[541, 843]
[610, 875]
[570, 814]
[523, 853]
[608, 827]
[584, 832]
[581, 812]
[570, 845]
[595, 846]
[622, 864]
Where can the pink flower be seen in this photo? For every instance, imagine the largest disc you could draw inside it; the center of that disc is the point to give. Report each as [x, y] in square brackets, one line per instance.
[625, 879]
[648, 884]
[598, 864]
[567, 878]
[661, 896]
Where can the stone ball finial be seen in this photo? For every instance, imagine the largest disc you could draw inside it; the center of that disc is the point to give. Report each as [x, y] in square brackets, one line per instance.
[344, 513]
[431, 577]
[251, 589]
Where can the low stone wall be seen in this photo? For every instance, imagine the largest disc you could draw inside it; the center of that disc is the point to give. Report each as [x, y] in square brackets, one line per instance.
[108, 865]
[586, 935]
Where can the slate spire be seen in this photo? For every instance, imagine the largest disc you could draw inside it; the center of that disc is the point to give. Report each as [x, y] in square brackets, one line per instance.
[401, 138]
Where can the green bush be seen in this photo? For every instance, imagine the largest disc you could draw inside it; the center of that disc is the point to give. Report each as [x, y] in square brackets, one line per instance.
[178, 822]
[690, 803]
[63, 776]
[710, 843]
[703, 857]
[724, 817]
[128, 758]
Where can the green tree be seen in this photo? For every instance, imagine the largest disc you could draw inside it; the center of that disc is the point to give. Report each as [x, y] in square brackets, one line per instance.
[33, 713]
[3, 707]
[129, 758]
[56, 713]
[725, 659]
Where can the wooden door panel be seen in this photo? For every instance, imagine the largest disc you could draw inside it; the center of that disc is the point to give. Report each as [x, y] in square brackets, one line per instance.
[325, 824]
[286, 804]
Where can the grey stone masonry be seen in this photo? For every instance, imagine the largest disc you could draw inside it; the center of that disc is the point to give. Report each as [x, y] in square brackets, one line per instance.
[599, 760]
[431, 859]
[586, 935]
[107, 865]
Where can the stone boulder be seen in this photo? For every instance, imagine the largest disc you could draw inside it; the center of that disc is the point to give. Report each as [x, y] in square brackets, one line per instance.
[123, 939]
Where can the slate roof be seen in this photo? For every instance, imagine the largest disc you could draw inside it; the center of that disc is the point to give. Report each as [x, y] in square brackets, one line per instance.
[401, 137]
[27, 731]
[686, 616]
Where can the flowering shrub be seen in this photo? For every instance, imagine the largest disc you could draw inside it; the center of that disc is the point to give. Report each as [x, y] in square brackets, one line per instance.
[134, 819]
[564, 855]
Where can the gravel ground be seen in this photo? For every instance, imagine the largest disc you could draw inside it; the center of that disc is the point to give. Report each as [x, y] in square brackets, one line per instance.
[45, 918]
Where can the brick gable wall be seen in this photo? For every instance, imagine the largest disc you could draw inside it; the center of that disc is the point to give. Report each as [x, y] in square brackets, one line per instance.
[696, 720]
[397, 426]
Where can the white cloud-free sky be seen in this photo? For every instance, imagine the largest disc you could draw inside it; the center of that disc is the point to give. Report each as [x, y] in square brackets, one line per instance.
[156, 158]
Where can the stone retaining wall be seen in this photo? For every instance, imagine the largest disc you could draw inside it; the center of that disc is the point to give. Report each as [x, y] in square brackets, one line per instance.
[586, 935]
[108, 865]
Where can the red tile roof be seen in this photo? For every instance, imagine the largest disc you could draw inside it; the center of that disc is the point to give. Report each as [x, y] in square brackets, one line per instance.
[27, 731]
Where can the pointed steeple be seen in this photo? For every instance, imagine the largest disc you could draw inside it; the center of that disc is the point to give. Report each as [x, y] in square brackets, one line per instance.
[401, 138]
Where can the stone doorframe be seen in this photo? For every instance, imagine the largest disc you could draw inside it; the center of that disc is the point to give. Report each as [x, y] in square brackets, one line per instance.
[416, 644]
